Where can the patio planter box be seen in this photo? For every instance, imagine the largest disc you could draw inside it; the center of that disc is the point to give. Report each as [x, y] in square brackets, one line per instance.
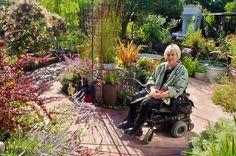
[110, 93]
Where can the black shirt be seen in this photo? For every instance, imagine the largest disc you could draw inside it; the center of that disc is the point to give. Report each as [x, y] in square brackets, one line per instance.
[166, 76]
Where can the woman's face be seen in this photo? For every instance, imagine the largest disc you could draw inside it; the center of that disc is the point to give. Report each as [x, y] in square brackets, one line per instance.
[172, 58]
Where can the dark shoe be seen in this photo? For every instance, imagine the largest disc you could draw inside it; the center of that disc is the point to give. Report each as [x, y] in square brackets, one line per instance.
[139, 132]
[134, 131]
[124, 125]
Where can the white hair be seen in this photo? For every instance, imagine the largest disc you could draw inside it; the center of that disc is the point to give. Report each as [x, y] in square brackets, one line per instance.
[174, 49]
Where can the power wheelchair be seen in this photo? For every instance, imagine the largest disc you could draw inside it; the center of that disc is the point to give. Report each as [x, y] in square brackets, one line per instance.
[175, 117]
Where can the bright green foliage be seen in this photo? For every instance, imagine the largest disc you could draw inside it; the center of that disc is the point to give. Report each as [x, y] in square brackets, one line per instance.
[134, 10]
[200, 68]
[125, 95]
[224, 94]
[209, 24]
[230, 6]
[217, 140]
[145, 67]
[109, 35]
[230, 21]
[74, 13]
[153, 30]
[196, 41]
[111, 78]
[5, 2]
[233, 52]
[107, 28]
[190, 64]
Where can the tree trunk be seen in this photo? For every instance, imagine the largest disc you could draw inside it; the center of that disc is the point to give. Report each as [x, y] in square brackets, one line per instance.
[124, 28]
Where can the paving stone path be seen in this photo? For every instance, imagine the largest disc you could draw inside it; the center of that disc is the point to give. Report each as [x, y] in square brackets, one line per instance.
[104, 135]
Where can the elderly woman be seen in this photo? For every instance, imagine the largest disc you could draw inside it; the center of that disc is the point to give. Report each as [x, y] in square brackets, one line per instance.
[169, 80]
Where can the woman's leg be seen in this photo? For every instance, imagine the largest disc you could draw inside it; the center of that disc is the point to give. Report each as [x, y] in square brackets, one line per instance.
[146, 107]
[133, 106]
[128, 122]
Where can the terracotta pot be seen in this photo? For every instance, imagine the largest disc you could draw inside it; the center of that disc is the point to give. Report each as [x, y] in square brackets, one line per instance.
[110, 93]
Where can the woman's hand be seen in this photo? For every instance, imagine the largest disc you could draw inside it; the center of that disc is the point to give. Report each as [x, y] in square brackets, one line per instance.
[157, 96]
[160, 94]
[152, 90]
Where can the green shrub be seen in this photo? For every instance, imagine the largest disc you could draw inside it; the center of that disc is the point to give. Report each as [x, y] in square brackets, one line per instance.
[217, 140]
[111, 78]
[70, 82]
[224, 94]
[75, 13]
[65, 77]
[107, 31]
[210, 24]
[200, 68]
[233, 52]
[145, 67]
[153, 30]
[125, 96]
[230, 21]
[38, 27]
[190, 63]
[196, 41]
[233, 61]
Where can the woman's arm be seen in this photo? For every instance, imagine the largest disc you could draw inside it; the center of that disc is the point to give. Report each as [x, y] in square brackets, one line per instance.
[152, 79]
[177, 88]
[180, 84]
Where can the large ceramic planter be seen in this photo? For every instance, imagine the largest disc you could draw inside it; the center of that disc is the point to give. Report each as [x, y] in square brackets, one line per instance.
[214, 69]
[200, 76]
[214, 73]
[110, 93]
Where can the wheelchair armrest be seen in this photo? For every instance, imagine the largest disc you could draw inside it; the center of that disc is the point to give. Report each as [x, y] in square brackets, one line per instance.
[141, 84]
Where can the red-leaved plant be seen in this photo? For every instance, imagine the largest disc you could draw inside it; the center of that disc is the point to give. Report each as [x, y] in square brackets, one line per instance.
[19, 95]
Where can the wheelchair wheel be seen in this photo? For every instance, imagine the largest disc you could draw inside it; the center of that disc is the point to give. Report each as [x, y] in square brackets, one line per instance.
[148, 136]
[179, 129]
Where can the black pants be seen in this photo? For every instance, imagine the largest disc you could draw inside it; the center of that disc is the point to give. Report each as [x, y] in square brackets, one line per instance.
[146, 106]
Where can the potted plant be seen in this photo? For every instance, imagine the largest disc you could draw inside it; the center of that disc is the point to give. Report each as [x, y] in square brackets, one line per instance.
[200, 72]
[106, 35]
[110, 88]
[128, 54]
[196, 42]
[215, 70]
